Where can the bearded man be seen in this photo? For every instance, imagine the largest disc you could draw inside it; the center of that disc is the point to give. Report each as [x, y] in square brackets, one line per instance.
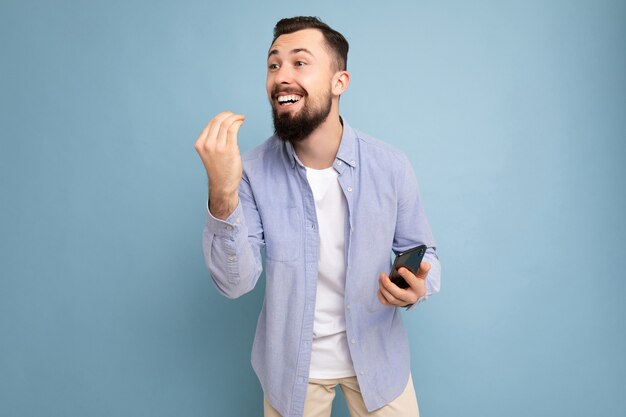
[328, 204]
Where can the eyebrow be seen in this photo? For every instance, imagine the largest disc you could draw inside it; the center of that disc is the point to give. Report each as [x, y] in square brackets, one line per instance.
[292, 52]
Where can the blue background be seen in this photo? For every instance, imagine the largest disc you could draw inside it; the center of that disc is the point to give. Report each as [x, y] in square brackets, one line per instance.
[513, 114]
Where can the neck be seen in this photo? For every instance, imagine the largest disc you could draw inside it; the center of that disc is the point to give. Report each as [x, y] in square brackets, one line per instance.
[318, 150]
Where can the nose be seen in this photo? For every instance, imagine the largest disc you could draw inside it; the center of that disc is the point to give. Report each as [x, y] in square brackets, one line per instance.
[283, 75]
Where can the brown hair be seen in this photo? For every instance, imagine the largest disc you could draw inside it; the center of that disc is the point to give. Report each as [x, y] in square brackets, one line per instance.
[335, 41]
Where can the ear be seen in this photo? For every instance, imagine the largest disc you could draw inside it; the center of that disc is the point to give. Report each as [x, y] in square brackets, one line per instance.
[340, 82]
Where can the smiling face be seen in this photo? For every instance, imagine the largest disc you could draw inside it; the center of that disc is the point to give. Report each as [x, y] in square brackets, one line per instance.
[300, 70]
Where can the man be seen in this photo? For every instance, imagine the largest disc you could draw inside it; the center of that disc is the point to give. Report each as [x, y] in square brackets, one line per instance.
[329, 204]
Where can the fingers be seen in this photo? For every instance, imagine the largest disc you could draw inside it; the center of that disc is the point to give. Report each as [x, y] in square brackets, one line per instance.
[393, 295]
[423, 270]
[416, 281]
[203, 135]
[210, 131]
[382, 298]
[390, 298]
[231, 137]
[220, 131]
[227, 130]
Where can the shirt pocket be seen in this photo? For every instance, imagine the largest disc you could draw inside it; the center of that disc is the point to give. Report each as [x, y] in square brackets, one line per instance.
[281, 229]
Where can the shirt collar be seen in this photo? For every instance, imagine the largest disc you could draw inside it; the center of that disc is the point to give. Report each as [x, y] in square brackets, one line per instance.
[345, 153]
[347, 147]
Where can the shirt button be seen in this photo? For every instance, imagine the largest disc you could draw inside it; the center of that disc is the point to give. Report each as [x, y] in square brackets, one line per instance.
[350, 189]
[338, 162]
[229, 227]
[348, 306]
[232, 258]
[362, 372]
[353, 162]
[353, 341]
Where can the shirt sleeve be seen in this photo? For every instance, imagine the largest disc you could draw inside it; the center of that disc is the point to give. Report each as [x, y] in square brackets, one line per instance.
[232, 247]
[412, 228]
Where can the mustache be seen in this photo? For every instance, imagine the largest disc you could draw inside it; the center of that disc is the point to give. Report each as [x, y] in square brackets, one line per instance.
[289, 90]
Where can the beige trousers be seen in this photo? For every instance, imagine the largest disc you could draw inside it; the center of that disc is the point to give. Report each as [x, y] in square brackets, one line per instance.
[320, 394]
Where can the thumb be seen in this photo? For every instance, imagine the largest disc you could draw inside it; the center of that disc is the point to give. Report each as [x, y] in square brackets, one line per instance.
[423, 270]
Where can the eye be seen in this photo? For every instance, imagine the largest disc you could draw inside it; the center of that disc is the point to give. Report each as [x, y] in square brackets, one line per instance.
[272, 66]
[300, 63]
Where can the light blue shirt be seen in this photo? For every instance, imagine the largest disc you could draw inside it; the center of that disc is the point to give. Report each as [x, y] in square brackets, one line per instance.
[276, 212]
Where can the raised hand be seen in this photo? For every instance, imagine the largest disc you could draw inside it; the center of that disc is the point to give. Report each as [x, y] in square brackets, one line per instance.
[218, 149]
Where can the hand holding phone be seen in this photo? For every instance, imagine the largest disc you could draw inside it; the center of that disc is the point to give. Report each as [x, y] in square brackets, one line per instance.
[411, 260]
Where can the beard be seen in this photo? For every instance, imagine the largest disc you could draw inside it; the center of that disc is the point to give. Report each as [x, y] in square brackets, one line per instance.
[295, 128]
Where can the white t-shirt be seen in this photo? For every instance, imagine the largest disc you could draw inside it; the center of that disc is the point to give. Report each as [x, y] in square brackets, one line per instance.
[330, 355]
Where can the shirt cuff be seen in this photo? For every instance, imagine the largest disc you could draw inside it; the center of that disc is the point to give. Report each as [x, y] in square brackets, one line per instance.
[226, 228]
[433, 279]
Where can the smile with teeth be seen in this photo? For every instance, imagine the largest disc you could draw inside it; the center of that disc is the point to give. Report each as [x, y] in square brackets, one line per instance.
[288, 100]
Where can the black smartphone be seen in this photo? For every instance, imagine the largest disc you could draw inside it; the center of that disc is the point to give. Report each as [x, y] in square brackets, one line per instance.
[410, 259]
